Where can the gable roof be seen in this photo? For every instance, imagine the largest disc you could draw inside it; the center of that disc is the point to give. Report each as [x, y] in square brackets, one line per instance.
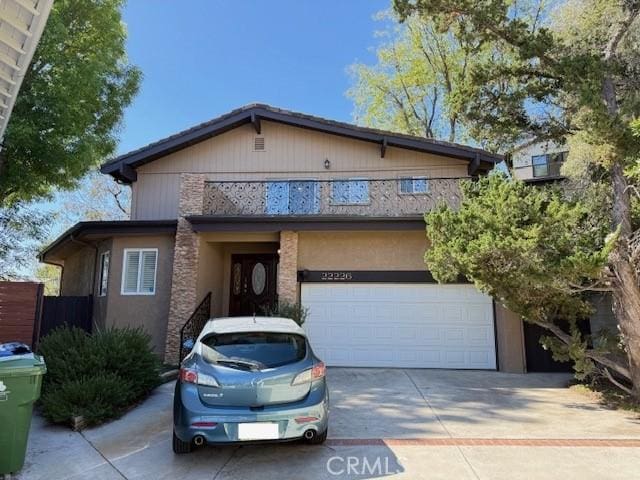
[123, 167]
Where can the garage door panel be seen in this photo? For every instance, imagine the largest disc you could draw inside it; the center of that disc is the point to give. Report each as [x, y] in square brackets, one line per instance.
[401, 325]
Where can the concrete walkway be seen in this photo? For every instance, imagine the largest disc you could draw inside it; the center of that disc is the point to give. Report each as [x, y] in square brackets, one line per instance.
[404, 424]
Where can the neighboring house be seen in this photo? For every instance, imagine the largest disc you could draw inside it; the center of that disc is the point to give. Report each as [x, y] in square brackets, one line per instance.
[539, 162]
[264, 205]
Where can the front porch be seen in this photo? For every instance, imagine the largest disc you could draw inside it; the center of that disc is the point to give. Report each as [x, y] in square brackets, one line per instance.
[240, 270]
[244, 273]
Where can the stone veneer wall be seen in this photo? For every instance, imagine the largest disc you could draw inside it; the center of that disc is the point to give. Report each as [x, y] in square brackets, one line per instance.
[288, 267]
[185, 263]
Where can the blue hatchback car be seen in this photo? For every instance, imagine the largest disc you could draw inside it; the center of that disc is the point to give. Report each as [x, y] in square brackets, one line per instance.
[250, 379]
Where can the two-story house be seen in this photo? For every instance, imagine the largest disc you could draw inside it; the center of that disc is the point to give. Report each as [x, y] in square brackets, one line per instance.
[539, 162]
[264, 205]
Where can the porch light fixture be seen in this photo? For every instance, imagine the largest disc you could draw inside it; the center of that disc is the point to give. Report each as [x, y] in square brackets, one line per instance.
[327, 164]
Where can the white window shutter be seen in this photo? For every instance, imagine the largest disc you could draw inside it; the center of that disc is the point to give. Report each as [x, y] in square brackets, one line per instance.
[132, 264]
[148, 277]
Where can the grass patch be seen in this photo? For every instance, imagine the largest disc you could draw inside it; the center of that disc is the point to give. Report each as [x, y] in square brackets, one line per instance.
[608, 395]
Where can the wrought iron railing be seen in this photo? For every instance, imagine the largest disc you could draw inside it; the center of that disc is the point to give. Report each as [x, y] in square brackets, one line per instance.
[388, 197]
[192, 327]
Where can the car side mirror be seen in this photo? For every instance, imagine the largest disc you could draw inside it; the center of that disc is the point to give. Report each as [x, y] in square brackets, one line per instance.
[188, 344]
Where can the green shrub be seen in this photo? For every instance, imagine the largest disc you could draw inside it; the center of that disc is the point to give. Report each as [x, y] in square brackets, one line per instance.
[294, 311]
[97, 376]
[95, 398]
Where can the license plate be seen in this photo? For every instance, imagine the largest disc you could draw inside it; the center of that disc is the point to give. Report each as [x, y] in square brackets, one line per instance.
[257, 431]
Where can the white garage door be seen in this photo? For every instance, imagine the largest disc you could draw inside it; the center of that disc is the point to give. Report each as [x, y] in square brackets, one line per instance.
[400, 325]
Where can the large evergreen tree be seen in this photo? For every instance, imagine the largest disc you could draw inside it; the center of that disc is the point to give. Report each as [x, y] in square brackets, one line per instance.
[577, 77]
[71, 101]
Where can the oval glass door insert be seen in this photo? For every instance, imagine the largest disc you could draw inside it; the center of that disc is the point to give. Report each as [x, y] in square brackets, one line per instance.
[258, 278]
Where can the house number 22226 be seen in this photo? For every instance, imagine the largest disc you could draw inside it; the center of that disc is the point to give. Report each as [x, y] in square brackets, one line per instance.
[335, 276]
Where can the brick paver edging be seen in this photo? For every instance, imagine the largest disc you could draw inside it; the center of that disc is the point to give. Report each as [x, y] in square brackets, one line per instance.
[486, 442]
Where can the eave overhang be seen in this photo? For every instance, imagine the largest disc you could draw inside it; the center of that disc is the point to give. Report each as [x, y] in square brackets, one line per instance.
[87, 231]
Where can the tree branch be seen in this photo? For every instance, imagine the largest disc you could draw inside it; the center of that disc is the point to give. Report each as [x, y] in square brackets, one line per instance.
[597, 357]
[619, 33]
[617, 383]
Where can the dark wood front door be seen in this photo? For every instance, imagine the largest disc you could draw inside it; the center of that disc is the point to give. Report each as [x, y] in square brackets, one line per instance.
[253, 284]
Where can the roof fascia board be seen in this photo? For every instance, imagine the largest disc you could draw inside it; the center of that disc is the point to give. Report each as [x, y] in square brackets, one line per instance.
[256, 114]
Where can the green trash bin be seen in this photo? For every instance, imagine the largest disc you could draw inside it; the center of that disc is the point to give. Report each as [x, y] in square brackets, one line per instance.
[20, 381]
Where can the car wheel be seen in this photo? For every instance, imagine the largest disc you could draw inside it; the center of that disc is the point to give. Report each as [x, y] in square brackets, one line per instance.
[179, 446]
[318, 439]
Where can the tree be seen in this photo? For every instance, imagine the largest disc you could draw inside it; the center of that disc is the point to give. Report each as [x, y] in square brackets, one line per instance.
[71, 101]
[536, 250]
[416, 85]
[575, 79]
[49, 275]
[22, 229]
[98, 197]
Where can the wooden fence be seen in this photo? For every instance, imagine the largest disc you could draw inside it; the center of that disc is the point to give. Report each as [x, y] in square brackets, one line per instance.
[20, 310]
[74, 311]
[26, 315]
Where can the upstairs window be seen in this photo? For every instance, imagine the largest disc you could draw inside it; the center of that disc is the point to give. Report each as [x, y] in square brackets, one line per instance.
[548, 165]
[139, 271]
[350, 192]
[411, 185]
[294, 197]
[104, 274]
[540, 165]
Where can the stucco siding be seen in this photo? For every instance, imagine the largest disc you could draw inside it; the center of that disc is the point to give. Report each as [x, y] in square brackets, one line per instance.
[510, 340]
[362, 250]
[77, 273]
[147, 311]
[290, 152]
[210, 275]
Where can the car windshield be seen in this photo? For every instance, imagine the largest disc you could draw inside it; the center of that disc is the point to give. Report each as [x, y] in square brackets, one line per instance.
[255, 349]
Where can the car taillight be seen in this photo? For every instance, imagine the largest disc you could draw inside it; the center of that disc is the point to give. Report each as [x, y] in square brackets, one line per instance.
[188, 375]
[317, 372]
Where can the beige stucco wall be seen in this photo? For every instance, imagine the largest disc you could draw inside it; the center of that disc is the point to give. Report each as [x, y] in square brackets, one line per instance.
[510, 340]
[147, 311]
[389, 250]
[210, 272]
[291, 152]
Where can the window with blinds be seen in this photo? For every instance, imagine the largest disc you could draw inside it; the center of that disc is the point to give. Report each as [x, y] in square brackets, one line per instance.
[139, 271]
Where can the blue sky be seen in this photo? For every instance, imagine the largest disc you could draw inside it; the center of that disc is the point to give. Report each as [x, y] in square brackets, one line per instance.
[214, 56]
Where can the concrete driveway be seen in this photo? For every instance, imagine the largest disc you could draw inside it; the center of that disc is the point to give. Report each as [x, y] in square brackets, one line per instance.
[409, 424]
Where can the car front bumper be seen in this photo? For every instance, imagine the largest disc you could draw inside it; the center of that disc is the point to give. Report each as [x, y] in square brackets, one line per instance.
[189, 409]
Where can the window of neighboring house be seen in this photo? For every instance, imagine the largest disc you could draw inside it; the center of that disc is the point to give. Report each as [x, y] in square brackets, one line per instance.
[139, 271]
[353, 191]
[104, 274]
[293, 197]
[540, 165]
[548, 164]
[414, 185]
